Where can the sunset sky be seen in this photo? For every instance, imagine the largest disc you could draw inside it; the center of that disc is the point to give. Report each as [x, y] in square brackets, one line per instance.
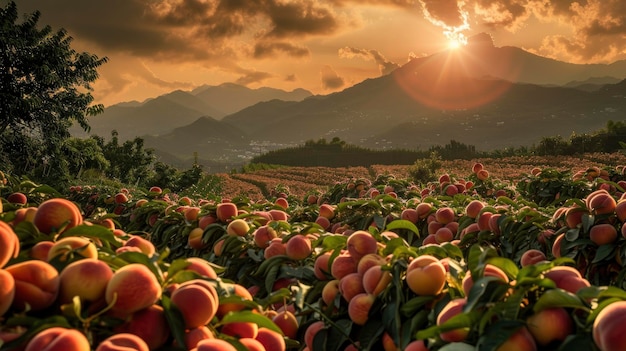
[156, 46]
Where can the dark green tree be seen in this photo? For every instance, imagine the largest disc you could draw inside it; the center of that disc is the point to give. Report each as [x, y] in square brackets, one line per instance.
[130, 162]
[45, 87]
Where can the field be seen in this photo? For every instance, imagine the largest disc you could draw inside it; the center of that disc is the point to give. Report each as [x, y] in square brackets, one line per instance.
[520, 254]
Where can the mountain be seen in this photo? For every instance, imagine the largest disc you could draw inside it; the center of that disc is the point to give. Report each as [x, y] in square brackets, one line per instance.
[482, 95]
[180, 108]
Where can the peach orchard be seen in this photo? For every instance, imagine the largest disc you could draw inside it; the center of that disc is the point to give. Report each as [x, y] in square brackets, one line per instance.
[462, 263]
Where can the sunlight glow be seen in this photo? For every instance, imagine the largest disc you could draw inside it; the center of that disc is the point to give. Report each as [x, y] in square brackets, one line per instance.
[454, 44]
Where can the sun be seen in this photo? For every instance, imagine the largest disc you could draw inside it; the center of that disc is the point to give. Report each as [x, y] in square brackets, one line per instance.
[454, 44]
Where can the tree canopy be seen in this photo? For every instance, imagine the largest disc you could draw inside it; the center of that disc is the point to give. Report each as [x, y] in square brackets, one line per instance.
[45, 87]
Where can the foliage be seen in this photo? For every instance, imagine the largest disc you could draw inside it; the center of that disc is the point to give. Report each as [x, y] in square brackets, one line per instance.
[424, 170]
[46, 87]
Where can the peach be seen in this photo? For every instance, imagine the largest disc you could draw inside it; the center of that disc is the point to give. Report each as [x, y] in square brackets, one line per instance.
[86, 278]
[368, 261]
[132, 288]
[271, 339]
[443, 235]
[573, 216]
[426, 275]
[311, 331]
[287, 322]
[544, 236]
[145, 245]
[476, 167]
[191, 213]
[238, 227]
[275, 248]
[205, 220]
[278, 215]
[282, 203]
[521, 340]
[57, 215]
[149, 324]
[17, 198]
[321, 266]
[323, 222]
[7, 291]
[473, 208]
[489, 271]
[240, 329]
[57, 339]
[549, 326]
[445, 215]
[434, 226]
[532, 256]
[330, 291]
[36, 284]
[351, 285]
[24, 214]
[343, 265]
[252, 344]
[620, 210]
[359, 308]
[233, 289]
[197, 300]
[201, 266]
[214, 345]
[9, 244]
[72, 246]
[263, 235]
[451, 309]
[567, 278]
[123, 342]
[298, 247]
[608, 327]
[375, 280]
[494, 226]
[388, 343]
[603, 233]
[194, 239]
[361, 243]
[225, 211]
[483, 174]
[483, 220]
[423, 209]
[416, 345]
[409, 214]
[194, 335]
[327, 211]
[556, 245]
[600, 202]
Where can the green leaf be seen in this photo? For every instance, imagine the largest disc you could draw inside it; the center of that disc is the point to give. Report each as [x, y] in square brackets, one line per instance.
[558, 298]
[604, 252]
[251, 317]
[402, 224]
[508, 266]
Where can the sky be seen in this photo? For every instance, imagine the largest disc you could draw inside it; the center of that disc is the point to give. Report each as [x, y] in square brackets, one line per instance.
[324, 46]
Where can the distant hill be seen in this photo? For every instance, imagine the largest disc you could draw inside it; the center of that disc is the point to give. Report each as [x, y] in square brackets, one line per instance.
[482, 95]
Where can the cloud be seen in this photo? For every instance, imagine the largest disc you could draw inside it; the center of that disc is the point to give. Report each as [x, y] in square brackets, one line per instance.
[384, 65]
[330, 79]
[270, 49]
[252, 77]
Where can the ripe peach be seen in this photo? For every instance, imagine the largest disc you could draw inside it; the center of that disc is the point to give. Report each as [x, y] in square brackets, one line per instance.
[263, 235]
[201, 266]
[426, 275]
[359, 308]
[194, 239]
[64, 248]
[327, 211]
[240, 329]
[17, 198]
[409, 214]
[423, 209]
[287, 322]
[7, 291]
[489, 271]
[311, 331]
[9, 244]
[238, 227]
[133, 287]
[567, 278]
[550, 325]
[86, 278]
[24, 214]
[149, 324]
[434, 226]
[573, 216]
[145, 245]
[477, 167]
[375, 280]
[361, 243]
[416, 345]
[451, 309]
[321, 266]
[368, 261]
[351, 285]
[600, 202]
[36, 284]
[282, 203]
[57, 215]
[123, 341]
[298, 247]
[620, 210]
[58, 339]
[278, 215]
[603, 233]
[194, 335]
[225, 211]
[343, 265]
[608, 327]
[483, 220]
[275, 248]
[197, 301]
[532, 256]
[445, 215]
[521, 340]
[271, 339]
[330, 291]
[556, 245]
[214, 345]
[443, 235]
[473, 209]
[482, 174]
[233, 289]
